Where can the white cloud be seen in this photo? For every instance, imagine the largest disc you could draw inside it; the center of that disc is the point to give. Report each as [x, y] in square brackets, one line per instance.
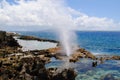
[41, 14]
[95, 23]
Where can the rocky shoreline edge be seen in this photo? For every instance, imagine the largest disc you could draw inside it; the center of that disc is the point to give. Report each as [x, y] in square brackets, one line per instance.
[16, 64]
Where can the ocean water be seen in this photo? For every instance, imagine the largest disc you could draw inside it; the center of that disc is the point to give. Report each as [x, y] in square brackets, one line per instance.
[97, 43]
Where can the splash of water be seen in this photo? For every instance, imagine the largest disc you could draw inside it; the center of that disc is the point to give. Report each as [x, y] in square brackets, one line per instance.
[65, 42]
[67, 39]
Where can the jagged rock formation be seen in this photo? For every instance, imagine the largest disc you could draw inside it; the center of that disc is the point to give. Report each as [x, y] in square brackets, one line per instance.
[8, 44]
[34, 69]
[7, 41]
[65, 74]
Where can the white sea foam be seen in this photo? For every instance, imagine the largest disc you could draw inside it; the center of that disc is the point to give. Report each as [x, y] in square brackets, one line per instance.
[35, 45]
[99, 53]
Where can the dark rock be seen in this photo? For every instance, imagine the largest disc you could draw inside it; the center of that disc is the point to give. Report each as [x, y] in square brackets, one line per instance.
[108, 57]
[115, 57]
[66, 74]
[94, 64]
[109, 77]
[7, 40]
[19, 67]
[1, 63]
[35, 38]
[102, 60]
[73, 59]
[81, 50]
[7, 64]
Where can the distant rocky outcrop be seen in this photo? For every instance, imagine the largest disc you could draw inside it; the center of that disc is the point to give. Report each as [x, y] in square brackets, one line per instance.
[35, 38]
[12, 34]
[109, 57]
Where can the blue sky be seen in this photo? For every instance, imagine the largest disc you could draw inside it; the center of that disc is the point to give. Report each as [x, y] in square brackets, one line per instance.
[97, 15]
[99, 8]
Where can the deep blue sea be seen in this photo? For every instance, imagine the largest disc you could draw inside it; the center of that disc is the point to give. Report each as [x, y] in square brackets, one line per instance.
[97, 42]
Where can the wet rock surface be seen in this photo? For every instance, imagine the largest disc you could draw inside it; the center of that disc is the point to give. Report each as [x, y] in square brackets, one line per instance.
[66, 74]
[33, 69]
[81, 53]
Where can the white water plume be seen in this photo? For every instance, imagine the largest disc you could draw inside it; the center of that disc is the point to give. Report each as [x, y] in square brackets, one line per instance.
[67, 39]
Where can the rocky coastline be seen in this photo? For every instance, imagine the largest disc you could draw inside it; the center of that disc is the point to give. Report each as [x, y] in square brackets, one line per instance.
[16, 64]
[24, 37]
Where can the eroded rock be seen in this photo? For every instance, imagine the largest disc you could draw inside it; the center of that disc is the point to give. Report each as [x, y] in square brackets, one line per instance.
[65, 74]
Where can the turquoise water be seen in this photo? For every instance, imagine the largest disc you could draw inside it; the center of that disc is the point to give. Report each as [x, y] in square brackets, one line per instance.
[95, 42]
[109, 70]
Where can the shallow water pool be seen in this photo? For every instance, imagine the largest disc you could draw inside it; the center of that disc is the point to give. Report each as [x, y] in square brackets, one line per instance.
[109, 70]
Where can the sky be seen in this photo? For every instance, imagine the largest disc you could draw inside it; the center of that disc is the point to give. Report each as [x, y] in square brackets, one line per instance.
[98, 8]
[98, 15]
